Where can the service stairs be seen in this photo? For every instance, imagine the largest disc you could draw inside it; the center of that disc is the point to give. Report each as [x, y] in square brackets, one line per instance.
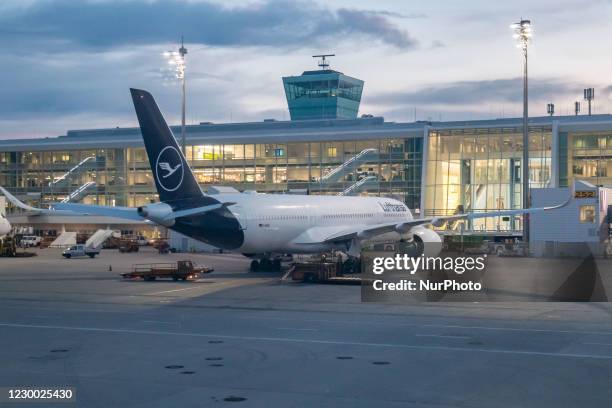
[359, 186]
[98, 238]
[338, 173]
[65, 239]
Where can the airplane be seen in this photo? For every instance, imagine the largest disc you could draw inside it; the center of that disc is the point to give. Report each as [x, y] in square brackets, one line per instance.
[5, 226]
[264, 226]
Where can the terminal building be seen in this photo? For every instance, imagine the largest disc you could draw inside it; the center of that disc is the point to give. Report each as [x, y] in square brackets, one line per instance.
[436, 168]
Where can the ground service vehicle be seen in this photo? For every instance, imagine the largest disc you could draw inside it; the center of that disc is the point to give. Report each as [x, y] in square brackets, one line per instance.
[183, 270]
[128, 246]
[80, 250]
[30, 241]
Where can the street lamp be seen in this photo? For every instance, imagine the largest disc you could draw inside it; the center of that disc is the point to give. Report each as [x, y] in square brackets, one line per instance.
[522, 34]
[176, 59]
[589, 95]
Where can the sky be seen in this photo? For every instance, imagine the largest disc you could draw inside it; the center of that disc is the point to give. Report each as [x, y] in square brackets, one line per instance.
[69, 64]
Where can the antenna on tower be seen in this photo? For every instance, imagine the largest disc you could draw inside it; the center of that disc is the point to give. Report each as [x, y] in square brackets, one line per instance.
[323, 64]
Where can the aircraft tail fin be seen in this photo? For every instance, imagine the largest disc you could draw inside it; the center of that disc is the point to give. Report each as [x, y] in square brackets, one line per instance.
[173, 178]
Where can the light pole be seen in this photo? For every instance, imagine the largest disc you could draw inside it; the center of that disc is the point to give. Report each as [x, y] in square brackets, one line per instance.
[522, 34]
[177, 60]
[550, 108]
[576, 108]
[589, 95]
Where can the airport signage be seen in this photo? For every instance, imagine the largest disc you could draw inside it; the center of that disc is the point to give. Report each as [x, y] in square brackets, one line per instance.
[584, 194]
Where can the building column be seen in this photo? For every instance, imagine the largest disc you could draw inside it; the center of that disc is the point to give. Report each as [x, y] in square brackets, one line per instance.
[554, 155]
[424, 168]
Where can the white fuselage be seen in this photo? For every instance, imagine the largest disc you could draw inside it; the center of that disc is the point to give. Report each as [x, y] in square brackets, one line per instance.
[279, 223]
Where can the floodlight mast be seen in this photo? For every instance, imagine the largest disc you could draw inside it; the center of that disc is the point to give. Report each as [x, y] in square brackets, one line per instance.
[522, 34]
[550, 109]
[576, 108]
[177, 59]
[182, 53]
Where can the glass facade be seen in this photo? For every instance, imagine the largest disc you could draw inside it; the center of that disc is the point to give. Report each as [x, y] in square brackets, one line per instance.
[468, 167]
[324, 94]
[122, 177]
[586, 156]
[477, 170]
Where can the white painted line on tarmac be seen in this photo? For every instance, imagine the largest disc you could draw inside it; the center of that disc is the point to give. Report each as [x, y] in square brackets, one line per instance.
[442, 326]
[313, 341]
[442, 337]
[169, 291]
[517, 329]
[158, 321]
[295, 328]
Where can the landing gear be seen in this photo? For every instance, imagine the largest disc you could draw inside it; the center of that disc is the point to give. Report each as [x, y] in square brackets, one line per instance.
[266, 265]
[413, 248]
[351, 265]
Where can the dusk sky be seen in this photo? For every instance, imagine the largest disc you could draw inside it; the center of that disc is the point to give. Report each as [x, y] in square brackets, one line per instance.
[68, 64]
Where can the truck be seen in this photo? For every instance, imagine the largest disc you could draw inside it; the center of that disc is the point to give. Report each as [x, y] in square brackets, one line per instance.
[183, 270]
[325, 269]
[128, 245]
[80, 250]
[30, 241]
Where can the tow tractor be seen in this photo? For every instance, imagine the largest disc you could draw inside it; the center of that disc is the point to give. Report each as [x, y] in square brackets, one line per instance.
[183, 270]
[326, 268]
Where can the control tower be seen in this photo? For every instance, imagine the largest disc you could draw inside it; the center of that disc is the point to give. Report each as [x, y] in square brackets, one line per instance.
[323, 94]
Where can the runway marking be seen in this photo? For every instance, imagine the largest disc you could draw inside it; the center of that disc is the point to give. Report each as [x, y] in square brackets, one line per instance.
[442, 337]
[311, 341]
[169, 291]
[295, 328]
[158, 321]
[599, 344]
[516, 329]
[443, 326]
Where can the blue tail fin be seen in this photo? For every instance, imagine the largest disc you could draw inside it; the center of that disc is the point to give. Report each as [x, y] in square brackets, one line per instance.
[174, 180]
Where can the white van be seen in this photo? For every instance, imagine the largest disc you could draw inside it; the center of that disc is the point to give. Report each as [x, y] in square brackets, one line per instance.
[29, 241]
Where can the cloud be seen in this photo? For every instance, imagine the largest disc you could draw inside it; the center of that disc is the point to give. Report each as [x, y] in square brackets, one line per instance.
[479, 92]
[280, 23]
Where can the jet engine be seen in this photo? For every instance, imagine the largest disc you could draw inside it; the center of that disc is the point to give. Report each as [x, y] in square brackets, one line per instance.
[424, 241]
[159, 213]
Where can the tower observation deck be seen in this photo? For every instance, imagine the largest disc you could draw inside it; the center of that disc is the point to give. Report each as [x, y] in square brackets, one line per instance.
[323, 94]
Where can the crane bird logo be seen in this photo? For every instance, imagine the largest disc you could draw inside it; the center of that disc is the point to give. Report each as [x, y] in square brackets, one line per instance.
[169, 177]
[166, 166]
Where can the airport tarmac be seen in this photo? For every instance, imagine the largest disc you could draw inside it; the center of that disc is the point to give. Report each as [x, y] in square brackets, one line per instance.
[235, 338]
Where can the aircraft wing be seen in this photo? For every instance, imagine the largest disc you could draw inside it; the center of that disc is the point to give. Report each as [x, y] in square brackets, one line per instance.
[75, 209]
[86, 209]
[369, 231]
